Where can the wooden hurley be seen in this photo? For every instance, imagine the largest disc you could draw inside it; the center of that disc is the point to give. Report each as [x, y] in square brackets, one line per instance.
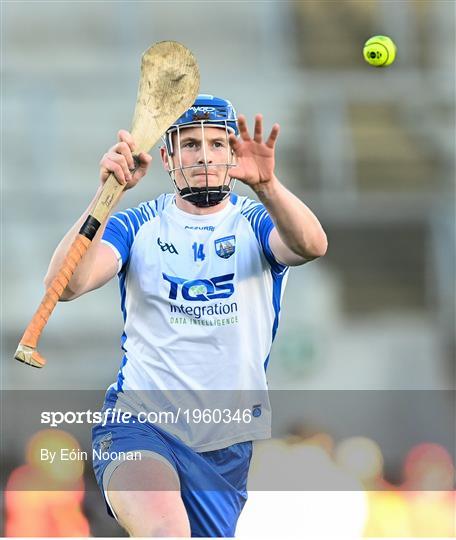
[168, 86]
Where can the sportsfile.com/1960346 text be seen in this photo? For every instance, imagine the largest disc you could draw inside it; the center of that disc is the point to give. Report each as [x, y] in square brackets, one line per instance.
[112, 415]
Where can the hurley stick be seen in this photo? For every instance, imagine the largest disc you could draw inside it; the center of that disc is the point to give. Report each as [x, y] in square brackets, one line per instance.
[168, 87]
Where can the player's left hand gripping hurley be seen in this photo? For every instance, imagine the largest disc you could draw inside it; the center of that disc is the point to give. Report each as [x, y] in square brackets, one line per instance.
[168, 87]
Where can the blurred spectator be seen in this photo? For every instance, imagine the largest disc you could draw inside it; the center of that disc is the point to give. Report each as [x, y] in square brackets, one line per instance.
[428, 487]
[429, 467]
[362, 458]
[388, 514]
[387, 510]
[44, 498]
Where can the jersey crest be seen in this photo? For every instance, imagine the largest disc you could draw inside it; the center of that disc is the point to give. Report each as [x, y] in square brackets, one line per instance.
[225, 247]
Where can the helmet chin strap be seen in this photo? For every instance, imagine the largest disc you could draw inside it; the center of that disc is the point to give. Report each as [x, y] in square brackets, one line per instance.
[203, 197]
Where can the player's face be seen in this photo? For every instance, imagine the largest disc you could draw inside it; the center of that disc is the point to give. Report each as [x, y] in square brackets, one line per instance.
[204, 162]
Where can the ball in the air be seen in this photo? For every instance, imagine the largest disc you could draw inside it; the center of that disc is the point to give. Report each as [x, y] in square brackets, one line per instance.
[379, 51]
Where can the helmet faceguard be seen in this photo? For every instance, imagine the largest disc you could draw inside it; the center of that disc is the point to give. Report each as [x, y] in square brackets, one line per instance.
[207, 111]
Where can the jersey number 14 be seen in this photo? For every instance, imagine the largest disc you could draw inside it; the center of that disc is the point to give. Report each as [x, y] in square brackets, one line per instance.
[198, 252]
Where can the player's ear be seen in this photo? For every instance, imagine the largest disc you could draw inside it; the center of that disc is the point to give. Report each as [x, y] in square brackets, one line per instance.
[164, 158]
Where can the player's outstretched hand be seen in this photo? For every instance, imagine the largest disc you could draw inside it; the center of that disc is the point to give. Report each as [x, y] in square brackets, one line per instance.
[254, 157]
[120, 161]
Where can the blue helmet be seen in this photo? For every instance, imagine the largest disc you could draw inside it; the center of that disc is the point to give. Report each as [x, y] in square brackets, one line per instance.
[212, 110]
[206, 111]
[209, 110]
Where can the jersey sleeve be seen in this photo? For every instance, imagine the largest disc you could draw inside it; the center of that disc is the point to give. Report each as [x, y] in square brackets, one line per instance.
[262, 225]
[122, 228]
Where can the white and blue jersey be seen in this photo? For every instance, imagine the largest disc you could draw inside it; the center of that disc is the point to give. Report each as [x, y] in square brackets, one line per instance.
[200, 296]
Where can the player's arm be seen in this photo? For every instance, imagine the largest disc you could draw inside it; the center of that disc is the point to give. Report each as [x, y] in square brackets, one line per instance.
[100, 263]
[298, 236]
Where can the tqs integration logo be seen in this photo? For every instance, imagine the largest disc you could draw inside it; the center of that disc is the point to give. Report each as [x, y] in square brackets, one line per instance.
[200, 290]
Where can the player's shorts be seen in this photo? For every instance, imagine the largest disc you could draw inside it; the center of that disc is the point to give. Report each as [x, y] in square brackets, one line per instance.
[213, 484]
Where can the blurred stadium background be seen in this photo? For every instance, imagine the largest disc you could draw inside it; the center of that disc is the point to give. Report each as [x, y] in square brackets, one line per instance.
[371, 151]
